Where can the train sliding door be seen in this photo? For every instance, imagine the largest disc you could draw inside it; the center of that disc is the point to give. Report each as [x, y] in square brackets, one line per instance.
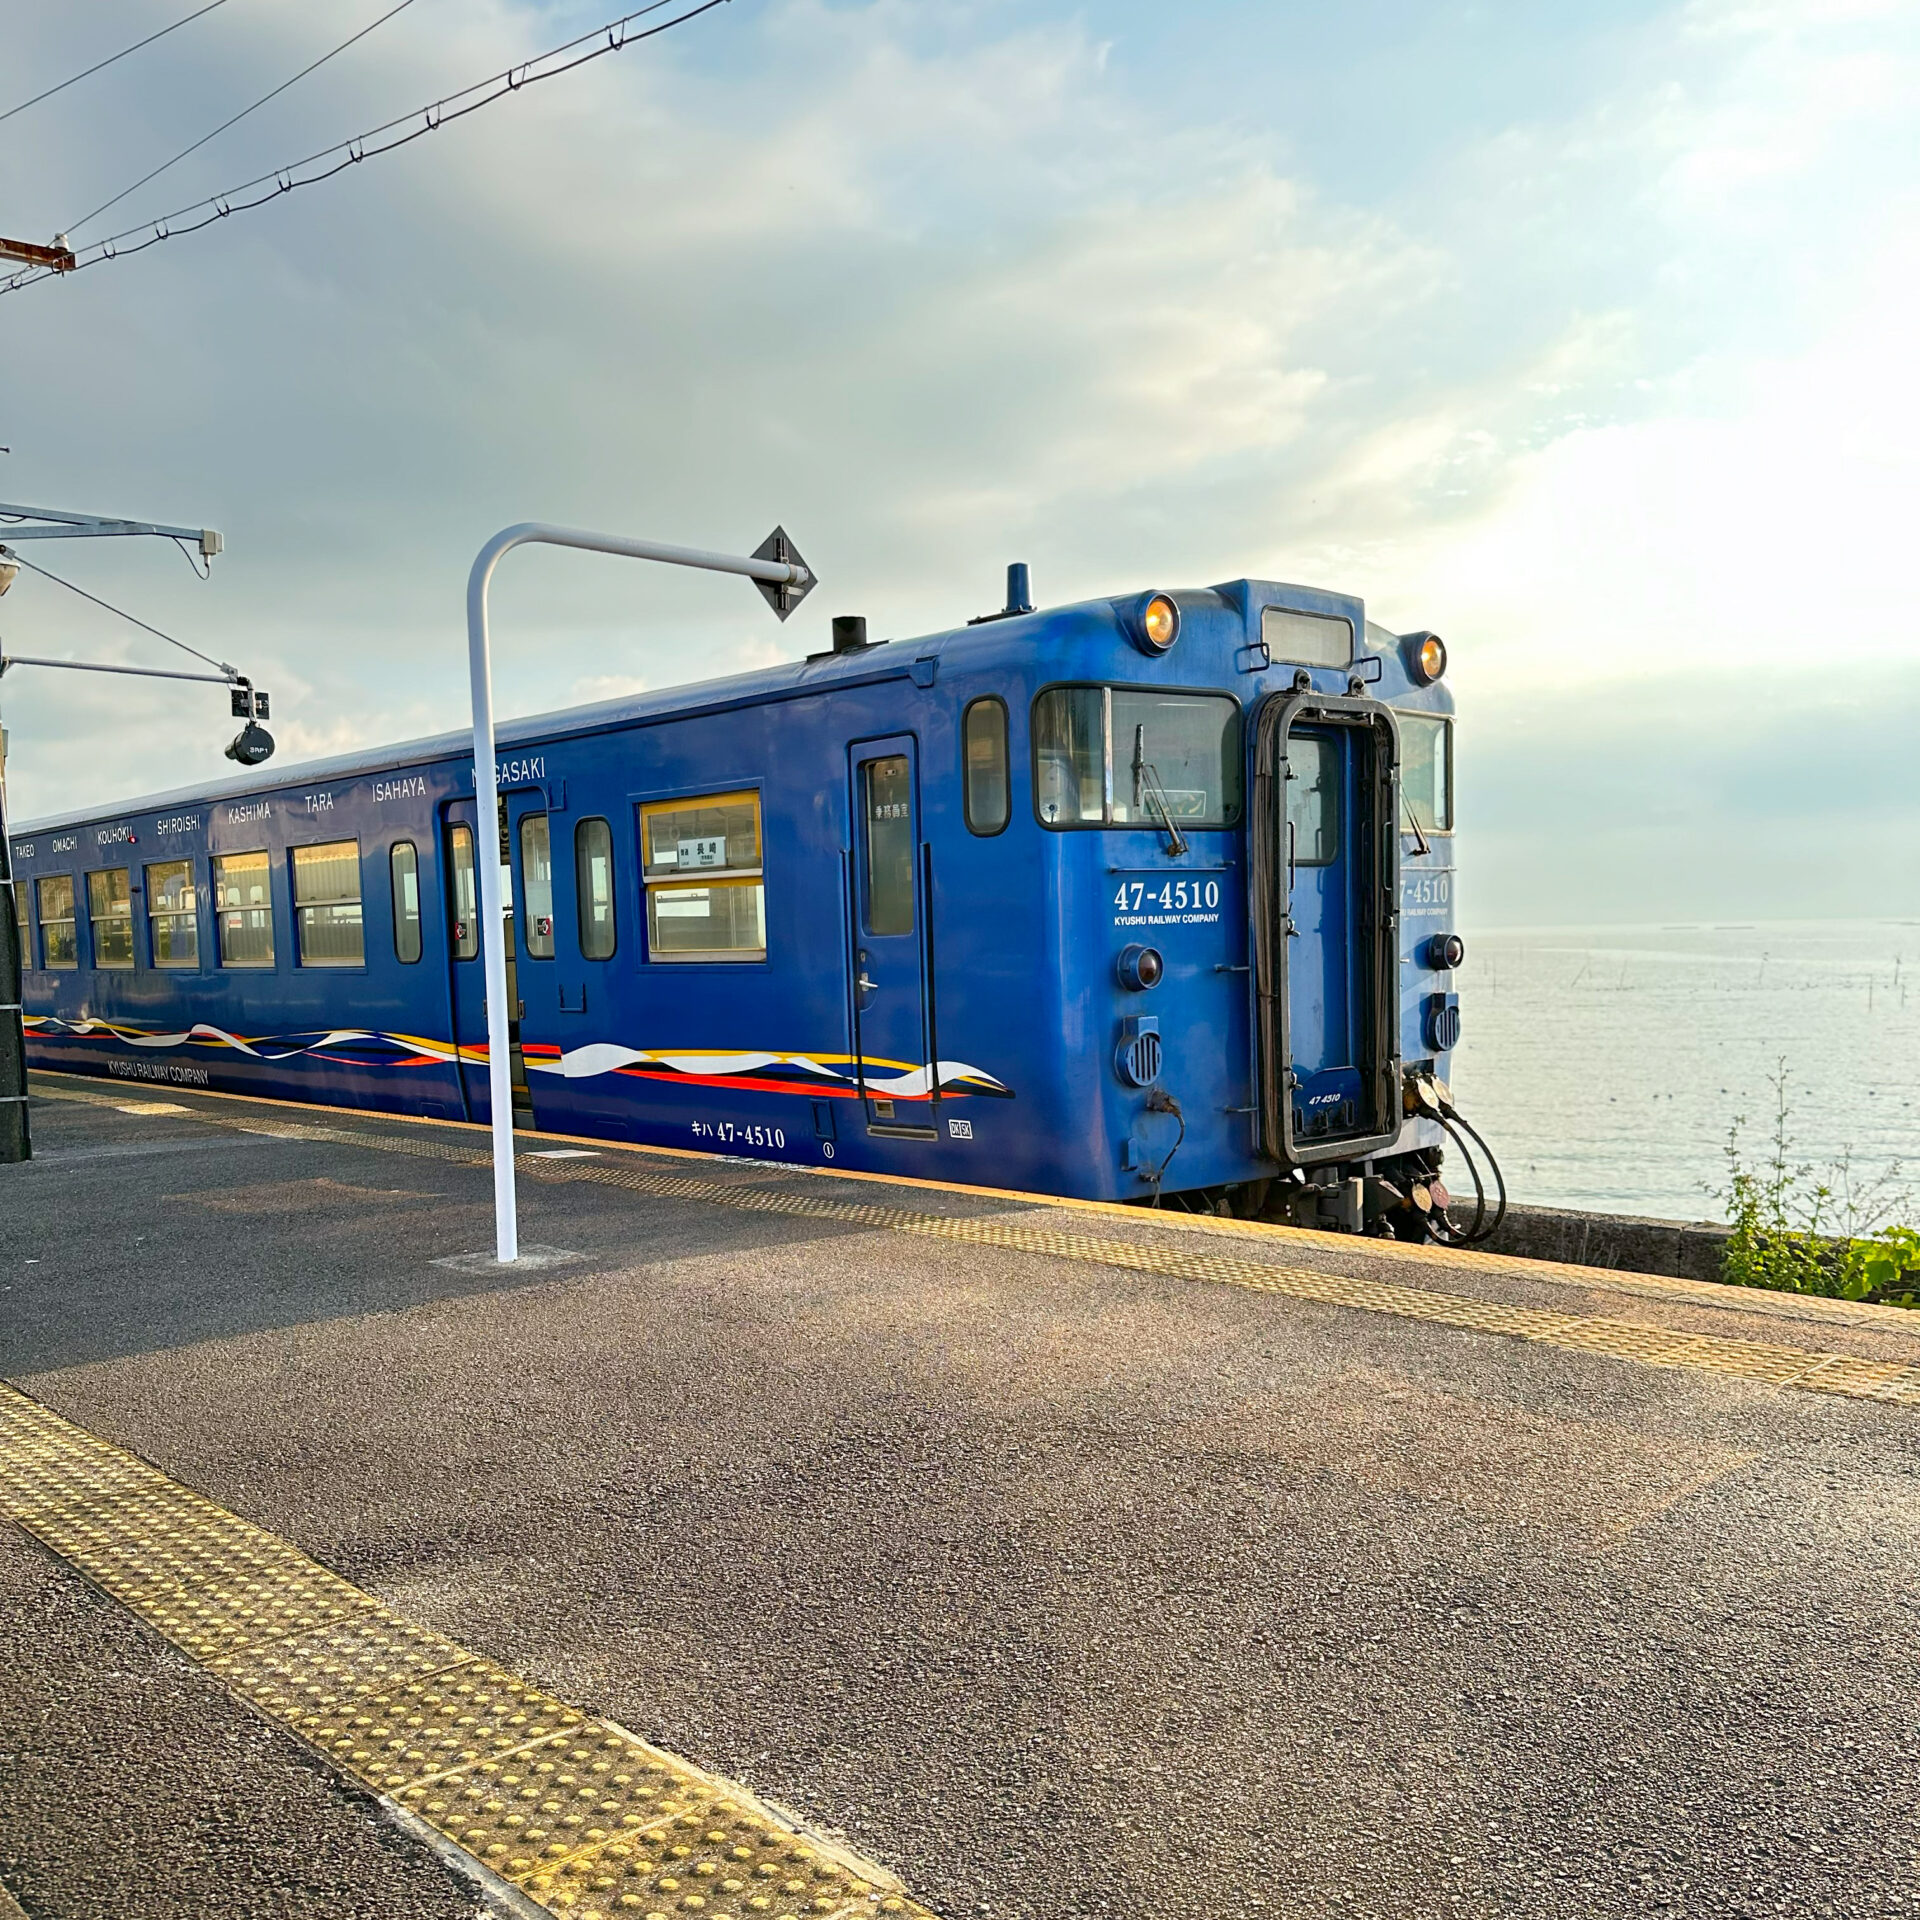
[461, 851]
[1326, 885]
[892, 1053]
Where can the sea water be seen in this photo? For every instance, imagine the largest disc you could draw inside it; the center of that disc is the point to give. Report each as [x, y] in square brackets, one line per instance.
[1606, 1065]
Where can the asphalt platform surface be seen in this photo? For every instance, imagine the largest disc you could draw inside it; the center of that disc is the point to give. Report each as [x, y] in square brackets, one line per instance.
[1057, 1588]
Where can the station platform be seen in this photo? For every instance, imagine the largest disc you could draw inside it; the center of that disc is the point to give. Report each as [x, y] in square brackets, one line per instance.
[797, 1544]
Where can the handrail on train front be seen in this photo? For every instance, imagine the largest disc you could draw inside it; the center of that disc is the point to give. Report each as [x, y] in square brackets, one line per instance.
[776, 566]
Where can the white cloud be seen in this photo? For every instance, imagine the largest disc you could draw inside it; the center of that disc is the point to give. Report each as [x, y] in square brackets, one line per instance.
[1594, 397]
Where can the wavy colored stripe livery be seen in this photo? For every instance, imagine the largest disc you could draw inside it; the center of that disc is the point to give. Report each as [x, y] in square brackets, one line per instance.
[829, 1073]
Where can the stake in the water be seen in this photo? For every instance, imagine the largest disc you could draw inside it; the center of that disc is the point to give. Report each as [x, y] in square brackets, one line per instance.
[781, 575]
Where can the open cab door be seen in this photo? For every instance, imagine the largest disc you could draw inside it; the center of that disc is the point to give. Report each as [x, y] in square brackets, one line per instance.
[1325, 857]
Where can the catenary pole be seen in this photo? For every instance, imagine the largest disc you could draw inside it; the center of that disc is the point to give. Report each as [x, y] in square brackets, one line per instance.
[21, 522]
[16, 1143]
[785, 580]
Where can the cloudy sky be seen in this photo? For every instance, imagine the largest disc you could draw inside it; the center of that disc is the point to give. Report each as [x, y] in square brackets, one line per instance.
[1583, 335]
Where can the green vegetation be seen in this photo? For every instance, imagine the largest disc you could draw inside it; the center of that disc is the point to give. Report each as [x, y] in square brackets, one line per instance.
[1805, 1234]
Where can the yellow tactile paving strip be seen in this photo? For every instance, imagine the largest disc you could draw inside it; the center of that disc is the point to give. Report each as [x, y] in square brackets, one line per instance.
[584, 1818]
[1778, 1365]
[1813, 1370]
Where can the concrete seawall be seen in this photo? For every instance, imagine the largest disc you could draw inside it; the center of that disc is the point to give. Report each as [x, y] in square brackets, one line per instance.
[1691, 1249]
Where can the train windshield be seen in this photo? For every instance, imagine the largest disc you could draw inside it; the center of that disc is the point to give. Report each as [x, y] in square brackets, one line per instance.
[1426, 770]
[1135, 756]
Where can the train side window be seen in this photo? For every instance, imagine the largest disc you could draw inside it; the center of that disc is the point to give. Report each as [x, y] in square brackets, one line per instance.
[110, 917]
[706, 887]
[1426, 769]
[21, 914]
[326, 905]
[463, 893]
[536, 880]
[1069, 756]
[887, 796]
[983, 734]
[404, 864]
[243, 909]
[58, 947]
[593, 888]
[1313, 800]
[173, 914]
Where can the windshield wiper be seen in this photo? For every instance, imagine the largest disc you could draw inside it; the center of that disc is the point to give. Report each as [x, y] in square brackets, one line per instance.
[1147, 791]
[1413, 820]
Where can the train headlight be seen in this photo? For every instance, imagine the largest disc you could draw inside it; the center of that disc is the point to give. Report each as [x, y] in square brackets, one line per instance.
[1426, 655]
[1153, 623]
[1140, 968]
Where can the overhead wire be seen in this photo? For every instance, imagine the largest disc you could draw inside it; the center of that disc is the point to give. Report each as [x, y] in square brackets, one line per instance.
[14, 555]
[346, 153]
[76, 225]
[99, 65]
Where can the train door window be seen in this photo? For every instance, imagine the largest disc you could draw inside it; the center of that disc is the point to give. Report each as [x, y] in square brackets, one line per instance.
[463, 893]
[1177, 751]
[110, 917]
[326, 905]
[887, 797]
[1069, 756]
[983, 734]
[243, 909]
[706, 887]
[1426, 769]
[1313, 800]
[58, 947]
[536, 883]
[404, 864]
[20, 914]
[593, 888]
[173, 914]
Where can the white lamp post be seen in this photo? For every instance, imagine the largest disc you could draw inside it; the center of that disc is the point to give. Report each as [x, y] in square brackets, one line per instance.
[785, 580]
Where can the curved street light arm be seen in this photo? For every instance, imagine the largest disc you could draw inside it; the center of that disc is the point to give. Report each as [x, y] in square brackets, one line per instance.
[790, 579]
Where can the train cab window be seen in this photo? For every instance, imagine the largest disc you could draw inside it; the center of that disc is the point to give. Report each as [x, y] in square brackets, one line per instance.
[887, 798]
[1306, 639]
[1313, 800]
[1175, 753]
[110, 917]
[243, 909]
[326, 905]
[1426, 770]
[983, 735]
[25, 924]
[1070, 756]
[173, 914]
[593, 888]
[1133, 756]
[463, 893]
[58, 946]
[404, 864]
[706, 890]
[536, 882]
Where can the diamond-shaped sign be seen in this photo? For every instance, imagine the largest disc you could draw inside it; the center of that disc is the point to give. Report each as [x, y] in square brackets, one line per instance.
[783, 599]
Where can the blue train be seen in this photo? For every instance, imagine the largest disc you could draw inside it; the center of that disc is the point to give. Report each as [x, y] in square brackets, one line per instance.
[1148, 898]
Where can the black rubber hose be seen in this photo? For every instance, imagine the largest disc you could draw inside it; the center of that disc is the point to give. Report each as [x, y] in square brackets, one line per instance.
[1159, 1102]
[1449, 1234]
[1499, 1179]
